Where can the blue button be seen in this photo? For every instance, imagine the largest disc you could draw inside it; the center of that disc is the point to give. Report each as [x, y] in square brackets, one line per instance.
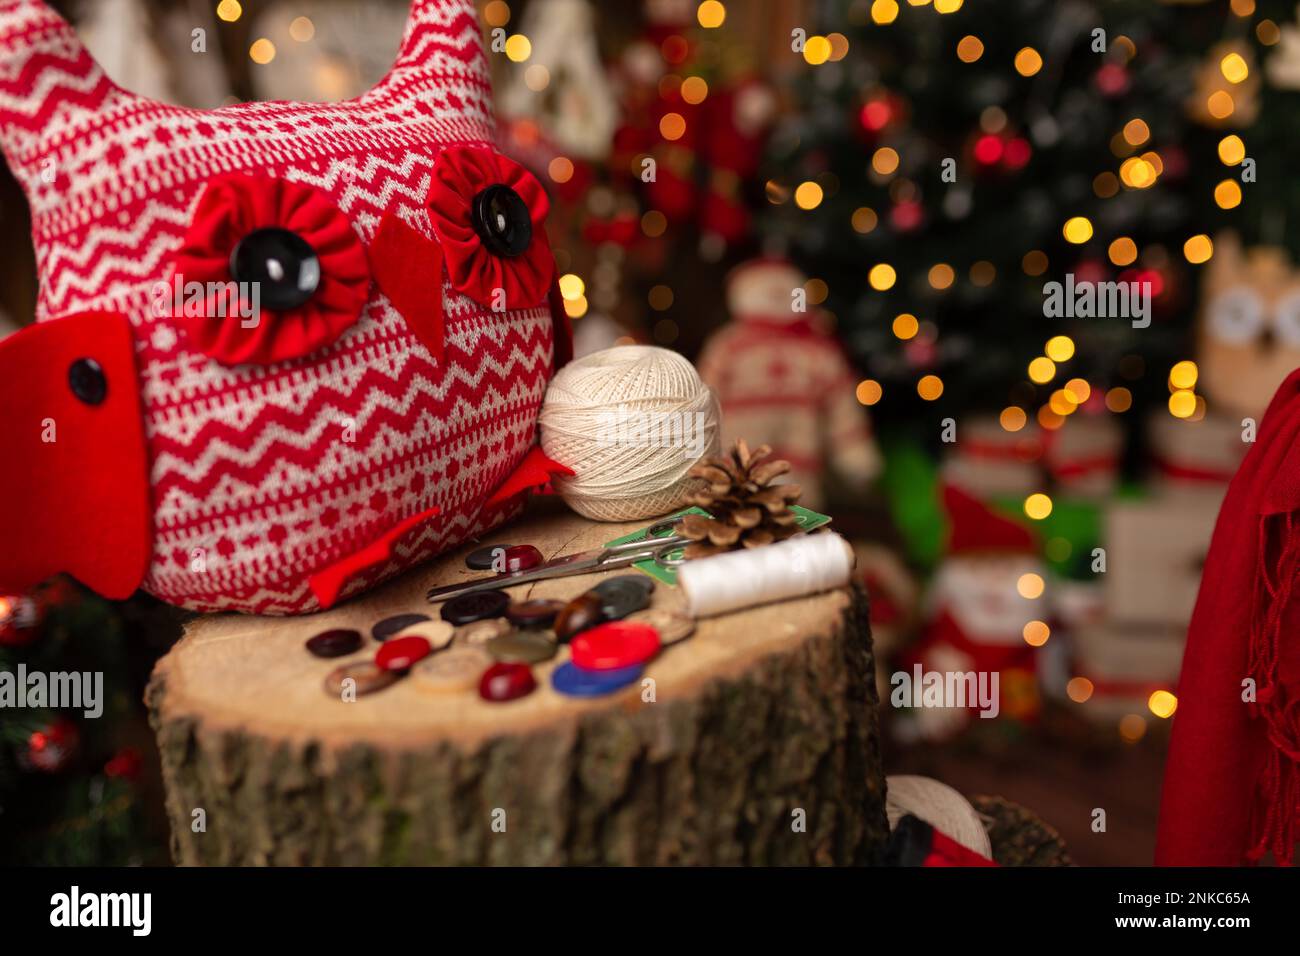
[576, 681]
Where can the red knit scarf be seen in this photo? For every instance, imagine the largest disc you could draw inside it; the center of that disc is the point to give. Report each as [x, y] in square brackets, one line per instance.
[1232, 780]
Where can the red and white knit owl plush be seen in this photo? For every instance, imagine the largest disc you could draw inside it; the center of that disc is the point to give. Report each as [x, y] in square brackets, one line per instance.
[283, 350]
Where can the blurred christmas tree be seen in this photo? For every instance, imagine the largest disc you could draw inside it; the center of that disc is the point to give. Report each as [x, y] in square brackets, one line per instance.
[945, 160]
[72, 787]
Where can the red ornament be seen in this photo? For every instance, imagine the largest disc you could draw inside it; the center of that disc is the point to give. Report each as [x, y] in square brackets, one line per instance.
[51, 749]
[502, 682]
[19, 615]
[1111, 79]
[125, 764]
[401, 653]
[906, 215]
[231, 209]
[988, 149]
[608, 647]
[1017, 153]
[461, 175]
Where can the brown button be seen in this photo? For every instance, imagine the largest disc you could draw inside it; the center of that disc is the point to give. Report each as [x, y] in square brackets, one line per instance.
[582, 612]
[523, 647]
[367, 677]
[538, 612]
[455, 669]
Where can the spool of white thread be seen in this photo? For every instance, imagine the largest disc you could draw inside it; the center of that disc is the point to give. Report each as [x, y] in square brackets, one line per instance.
[798, 566]
[630, 421]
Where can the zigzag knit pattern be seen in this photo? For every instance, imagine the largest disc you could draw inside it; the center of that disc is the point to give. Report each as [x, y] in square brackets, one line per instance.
[263, 475]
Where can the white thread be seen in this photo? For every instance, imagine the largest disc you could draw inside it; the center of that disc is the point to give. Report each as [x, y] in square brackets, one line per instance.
[630, 421]
[938, 805]
[804, 564]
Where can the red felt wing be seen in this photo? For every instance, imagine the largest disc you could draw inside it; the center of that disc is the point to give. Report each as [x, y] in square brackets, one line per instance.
[75, 487]
[535, 470]
[328, 583]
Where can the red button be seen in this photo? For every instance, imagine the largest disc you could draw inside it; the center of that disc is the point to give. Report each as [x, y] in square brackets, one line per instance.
[401, 652]
[522, 557]
[617, 644]
[506, 682]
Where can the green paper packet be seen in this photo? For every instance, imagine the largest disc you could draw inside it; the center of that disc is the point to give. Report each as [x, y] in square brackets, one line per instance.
[806, 519]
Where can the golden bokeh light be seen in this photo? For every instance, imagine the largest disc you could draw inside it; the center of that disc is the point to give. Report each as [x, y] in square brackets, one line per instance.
[518, 48]
[885, 161]
[1198, 249]
[864, 220]
[905, 326]
[969, 49]
[930, 387]
[1079, 689]
[1077, 229]
[1059, 348]
[1123, 251]
[1182, 403]
[1234, 68]
[1042, 370]
[869, 391]
[1162, 703]
[262, 51]
[1030, 586]
[1227, 194]
[941, 276]
[882, 276]
[1013, 418]
[711, 14]
[1231, 150]
[1038, 506]
[1028, 61]
[808, 195]
[1119, 400]
[1184, 374]
[1036, 633]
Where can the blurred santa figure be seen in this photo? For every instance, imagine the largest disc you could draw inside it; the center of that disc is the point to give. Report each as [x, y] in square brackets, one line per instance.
[986, 616]
[784, 381]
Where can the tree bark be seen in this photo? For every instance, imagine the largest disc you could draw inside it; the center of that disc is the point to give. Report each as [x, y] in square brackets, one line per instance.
[761, 746]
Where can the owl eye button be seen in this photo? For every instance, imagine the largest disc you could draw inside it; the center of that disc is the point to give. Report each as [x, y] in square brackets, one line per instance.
[87, 381]
[282, 264]
[501, 219]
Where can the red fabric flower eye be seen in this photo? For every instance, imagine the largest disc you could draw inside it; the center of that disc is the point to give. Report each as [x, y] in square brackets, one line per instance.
[269, 270]
[489, 214]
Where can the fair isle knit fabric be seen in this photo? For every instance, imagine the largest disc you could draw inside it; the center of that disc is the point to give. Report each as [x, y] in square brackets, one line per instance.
[264, 475]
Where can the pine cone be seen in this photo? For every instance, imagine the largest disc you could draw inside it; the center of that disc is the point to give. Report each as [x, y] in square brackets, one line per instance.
[748, 510]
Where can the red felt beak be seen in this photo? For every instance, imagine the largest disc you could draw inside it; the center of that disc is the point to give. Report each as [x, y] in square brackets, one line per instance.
[74, 494]
[408, 269]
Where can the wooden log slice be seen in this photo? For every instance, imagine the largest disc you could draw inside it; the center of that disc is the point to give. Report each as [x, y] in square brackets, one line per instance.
[758, 745]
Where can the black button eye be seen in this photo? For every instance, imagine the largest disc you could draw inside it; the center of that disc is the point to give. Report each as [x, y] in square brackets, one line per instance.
[502, 221]
[282, 263]
[86, 379]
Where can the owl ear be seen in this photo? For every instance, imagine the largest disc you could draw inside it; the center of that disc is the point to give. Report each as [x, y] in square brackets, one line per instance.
[442, 49]
[48, 83]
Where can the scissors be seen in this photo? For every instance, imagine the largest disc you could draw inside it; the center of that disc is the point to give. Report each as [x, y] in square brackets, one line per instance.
[657, 545]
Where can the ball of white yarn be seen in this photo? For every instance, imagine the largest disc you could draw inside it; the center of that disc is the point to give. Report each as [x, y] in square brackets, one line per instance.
[630, 421]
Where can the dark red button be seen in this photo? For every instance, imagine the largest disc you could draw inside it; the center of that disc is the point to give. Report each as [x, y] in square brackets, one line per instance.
[401, 652]
[522, 557]
[608, 647]
[335, 643]
[506, 682]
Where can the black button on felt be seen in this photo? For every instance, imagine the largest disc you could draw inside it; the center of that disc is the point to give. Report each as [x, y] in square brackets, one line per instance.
[86, 379]
[502, 221]
[282, 263]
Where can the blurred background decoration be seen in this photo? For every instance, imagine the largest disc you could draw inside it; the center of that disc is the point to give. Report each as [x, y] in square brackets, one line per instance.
[924, 167]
